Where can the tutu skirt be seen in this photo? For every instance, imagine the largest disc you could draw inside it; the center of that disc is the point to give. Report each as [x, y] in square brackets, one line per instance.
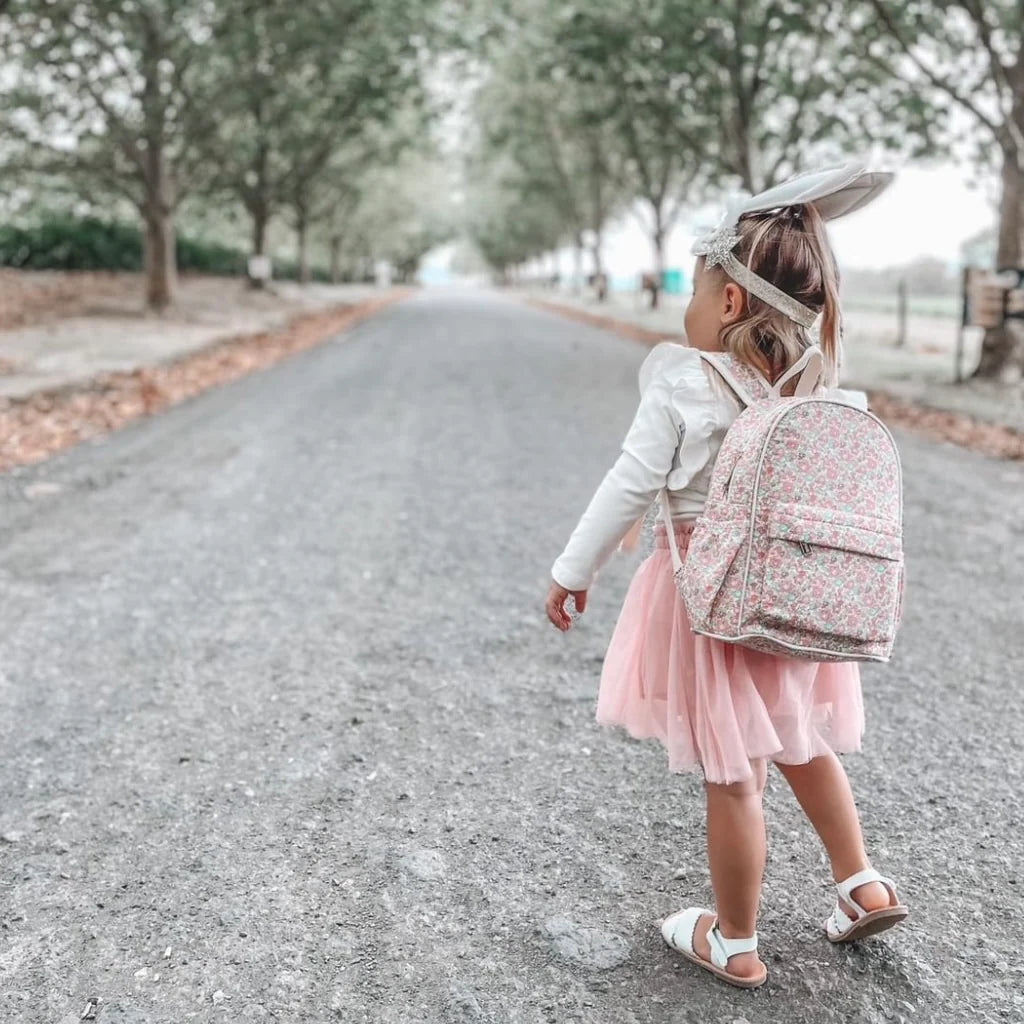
[713, 705]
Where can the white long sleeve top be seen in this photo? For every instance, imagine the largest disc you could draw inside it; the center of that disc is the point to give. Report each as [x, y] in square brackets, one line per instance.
[672, 442]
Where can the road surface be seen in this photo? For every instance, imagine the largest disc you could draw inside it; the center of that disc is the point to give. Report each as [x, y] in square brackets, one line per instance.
[286, 735]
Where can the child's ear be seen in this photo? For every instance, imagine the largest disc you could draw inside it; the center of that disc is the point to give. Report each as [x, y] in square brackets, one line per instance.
[732, 303]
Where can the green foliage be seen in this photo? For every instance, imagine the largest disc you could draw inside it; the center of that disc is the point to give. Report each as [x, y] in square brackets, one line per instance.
[559, 143]
[71, 244]
[541, 170]
[744, 92]
[310, 93]
[88, 243]
[253, 101]
[404, 214]
[942, 61]
[210, 257]
[953, 74]
[115, 97]
[670, 102]
[290, 270]
[114, 82]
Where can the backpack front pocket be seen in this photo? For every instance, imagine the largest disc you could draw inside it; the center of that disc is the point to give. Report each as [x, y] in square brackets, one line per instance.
[710, 590]
[838, 577]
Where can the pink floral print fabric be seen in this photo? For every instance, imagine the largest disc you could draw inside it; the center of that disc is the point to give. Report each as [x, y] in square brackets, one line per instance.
[799, 550]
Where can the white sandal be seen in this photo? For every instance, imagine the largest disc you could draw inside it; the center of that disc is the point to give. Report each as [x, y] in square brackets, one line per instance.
[678, 930]
[840, 927]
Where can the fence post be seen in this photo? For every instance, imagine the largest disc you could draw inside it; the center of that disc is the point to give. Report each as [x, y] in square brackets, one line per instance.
[901, 333]
[958, 369]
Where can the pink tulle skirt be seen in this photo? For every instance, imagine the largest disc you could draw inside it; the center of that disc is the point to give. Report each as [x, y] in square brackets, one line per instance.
[713, 705]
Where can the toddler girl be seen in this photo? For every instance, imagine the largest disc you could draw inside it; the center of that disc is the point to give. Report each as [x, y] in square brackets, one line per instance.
[721, 707]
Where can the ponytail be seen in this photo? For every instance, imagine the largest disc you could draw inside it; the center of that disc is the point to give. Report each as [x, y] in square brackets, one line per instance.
[789, 248]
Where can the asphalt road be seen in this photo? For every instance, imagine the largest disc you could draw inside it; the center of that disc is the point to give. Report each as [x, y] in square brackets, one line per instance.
[286, 735]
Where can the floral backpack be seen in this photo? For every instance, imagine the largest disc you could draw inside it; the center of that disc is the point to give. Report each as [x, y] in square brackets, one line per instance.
[799, 550]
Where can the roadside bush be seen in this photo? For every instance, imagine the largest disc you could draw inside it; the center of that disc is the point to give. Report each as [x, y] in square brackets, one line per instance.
[87, 243]
[210, 258]
[70, 244]
[288, 270]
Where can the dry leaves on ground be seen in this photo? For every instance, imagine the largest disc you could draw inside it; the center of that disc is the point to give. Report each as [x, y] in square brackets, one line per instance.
[958, 428]
[48, 422]
[29, 297]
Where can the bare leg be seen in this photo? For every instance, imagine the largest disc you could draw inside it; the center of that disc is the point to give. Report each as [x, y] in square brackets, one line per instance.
[823, 791]
[736, 853]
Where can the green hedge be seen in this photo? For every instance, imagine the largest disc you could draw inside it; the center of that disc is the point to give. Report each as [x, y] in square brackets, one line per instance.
[66, 244]
[87, 243]
[210, 258]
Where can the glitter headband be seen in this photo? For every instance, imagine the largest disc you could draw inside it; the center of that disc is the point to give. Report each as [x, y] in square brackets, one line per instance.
[834, 191]
[716, 248]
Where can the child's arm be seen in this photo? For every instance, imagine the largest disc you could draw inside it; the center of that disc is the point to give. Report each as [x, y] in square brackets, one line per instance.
[626, 491]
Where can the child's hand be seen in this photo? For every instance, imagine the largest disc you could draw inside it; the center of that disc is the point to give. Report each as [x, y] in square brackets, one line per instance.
[555, 605]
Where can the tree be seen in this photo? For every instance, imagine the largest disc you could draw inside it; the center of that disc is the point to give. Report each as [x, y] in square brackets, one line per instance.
[114, 96]
[403, 212]
[556, 146]
[953, 62]
[509, 222]
[614, 56]
[305, 81]
[779, 93]
[334, 199]
[706, 96]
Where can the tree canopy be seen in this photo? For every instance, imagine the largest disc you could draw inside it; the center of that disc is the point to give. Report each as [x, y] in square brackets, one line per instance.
[152, 102]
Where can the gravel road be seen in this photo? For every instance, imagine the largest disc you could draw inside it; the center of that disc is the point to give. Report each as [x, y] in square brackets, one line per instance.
[287, 736]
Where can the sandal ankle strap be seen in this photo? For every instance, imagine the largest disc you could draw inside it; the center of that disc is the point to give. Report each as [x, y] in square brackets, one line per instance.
[723, 948]
[847, 885]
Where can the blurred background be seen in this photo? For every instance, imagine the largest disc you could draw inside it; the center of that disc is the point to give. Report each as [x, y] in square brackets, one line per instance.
[572, 148]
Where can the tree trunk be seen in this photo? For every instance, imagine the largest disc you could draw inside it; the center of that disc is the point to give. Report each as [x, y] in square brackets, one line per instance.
[159, 250]
[595, 252]
[259, 229]
[658, 240]
[577, 266]
[159, 256]
[260, 219]
[1002, 350]
[160, 200]
[301, 228]
[335, 259]
[259, 205]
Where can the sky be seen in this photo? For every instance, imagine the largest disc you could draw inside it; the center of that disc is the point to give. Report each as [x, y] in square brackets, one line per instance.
[927, 211]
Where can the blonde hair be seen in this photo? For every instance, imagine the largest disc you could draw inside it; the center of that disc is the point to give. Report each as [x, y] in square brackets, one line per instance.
[789, 248]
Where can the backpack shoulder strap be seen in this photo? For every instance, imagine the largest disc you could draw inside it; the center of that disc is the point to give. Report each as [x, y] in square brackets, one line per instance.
[721, 366]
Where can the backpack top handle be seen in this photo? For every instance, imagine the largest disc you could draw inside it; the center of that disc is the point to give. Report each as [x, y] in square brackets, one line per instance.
[810, 366]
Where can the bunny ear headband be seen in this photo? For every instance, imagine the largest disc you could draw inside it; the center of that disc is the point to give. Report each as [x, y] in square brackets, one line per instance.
[834, 191]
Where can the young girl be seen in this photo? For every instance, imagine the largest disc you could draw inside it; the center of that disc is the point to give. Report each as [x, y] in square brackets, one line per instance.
[721, 707]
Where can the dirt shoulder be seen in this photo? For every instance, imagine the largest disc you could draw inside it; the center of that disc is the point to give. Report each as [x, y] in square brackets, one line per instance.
[59, 329]
[948, 413]
[43, 421]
